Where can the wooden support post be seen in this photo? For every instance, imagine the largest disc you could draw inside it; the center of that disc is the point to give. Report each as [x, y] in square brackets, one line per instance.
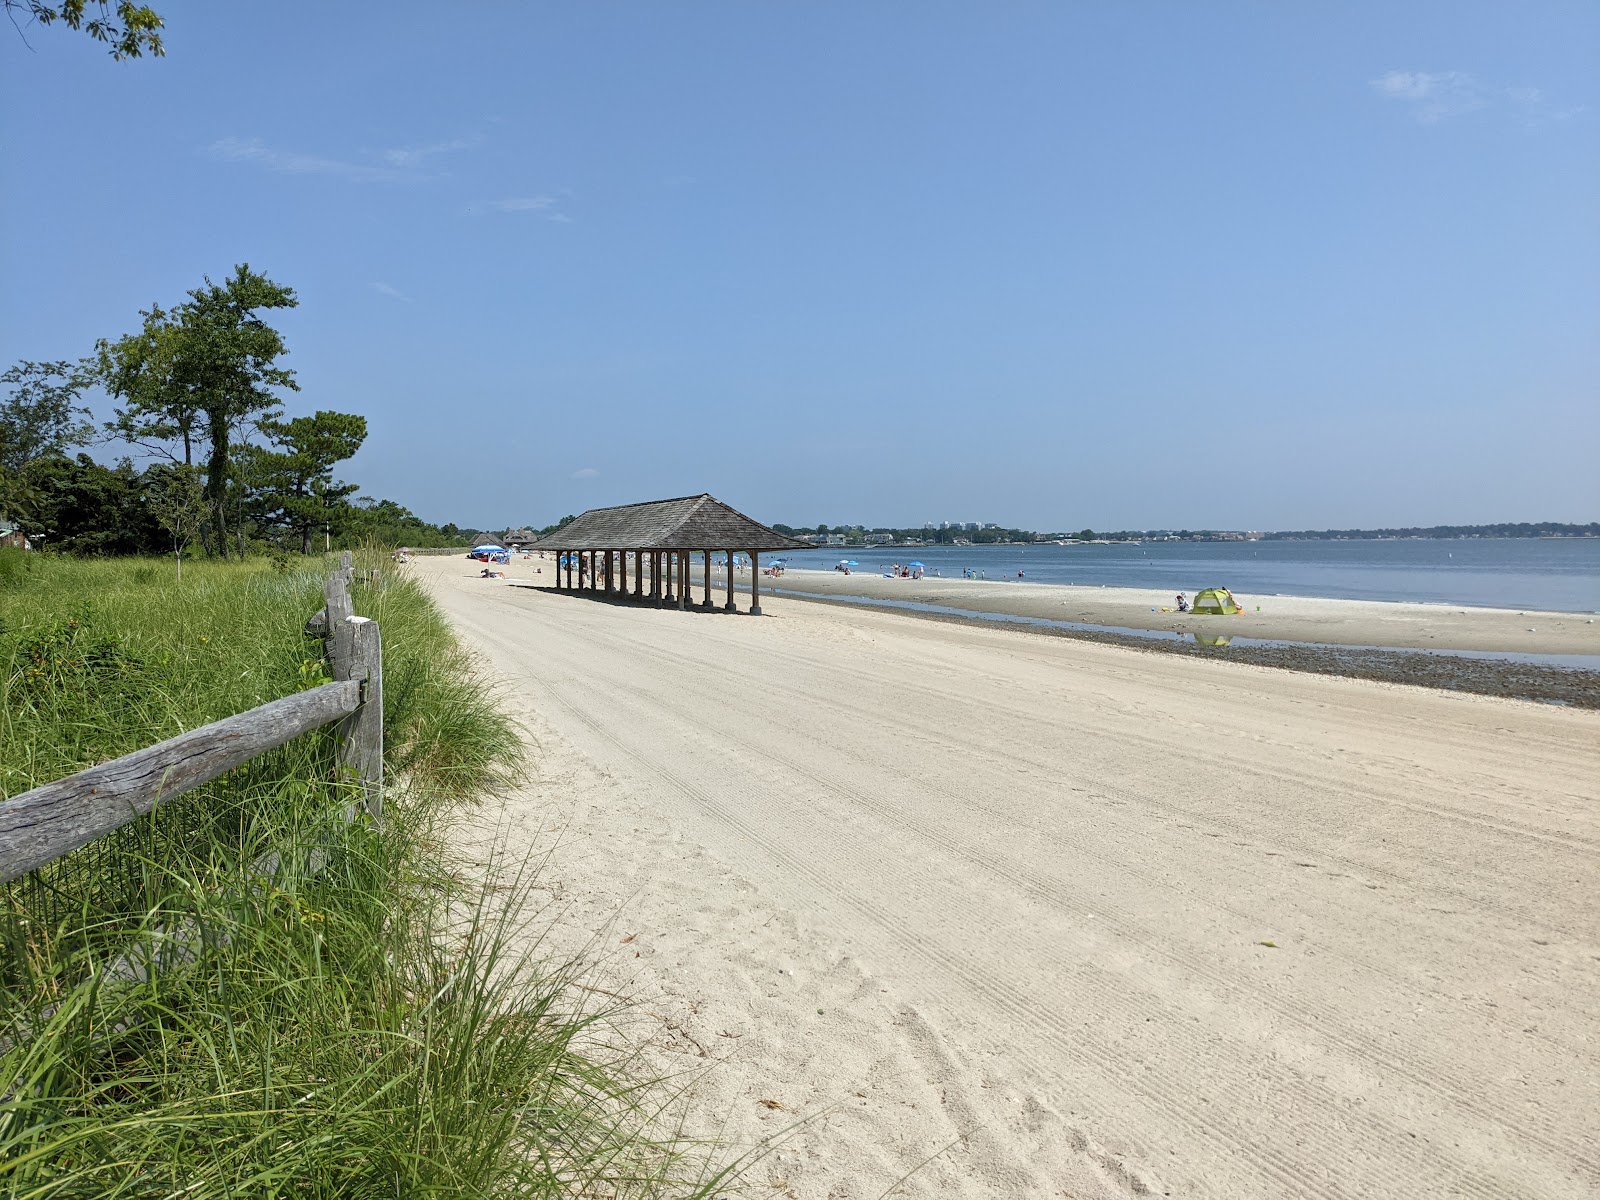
[361, 733]
[730, 606]
[706, 600]
[683, 580]
[336, 598]
[755, 583]
[622, 572]
[568, 556]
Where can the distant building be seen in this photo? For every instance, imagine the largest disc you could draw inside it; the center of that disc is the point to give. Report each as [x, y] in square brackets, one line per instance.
[880, 539]
[516, 539]
[11, 535]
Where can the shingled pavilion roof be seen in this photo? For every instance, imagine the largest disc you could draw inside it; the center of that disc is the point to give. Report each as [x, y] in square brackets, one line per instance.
[686, 523]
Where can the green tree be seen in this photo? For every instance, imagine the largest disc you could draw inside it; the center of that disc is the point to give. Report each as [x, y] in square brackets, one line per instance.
[129, 29]
[1084, 535]
[391, 524]
[176, 497]
[162, 411]
[80, 506]
[42, 416]
[202, 372]
[298, 480]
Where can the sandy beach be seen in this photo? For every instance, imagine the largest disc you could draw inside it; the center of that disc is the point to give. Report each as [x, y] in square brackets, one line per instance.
[1292, 618]
[999, 915]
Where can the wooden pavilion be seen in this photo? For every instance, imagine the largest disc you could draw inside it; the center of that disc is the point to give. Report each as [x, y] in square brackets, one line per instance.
[662, 536]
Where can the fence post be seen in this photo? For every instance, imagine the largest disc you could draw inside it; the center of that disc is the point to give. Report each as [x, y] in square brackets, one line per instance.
[361, 733]
[339, 610]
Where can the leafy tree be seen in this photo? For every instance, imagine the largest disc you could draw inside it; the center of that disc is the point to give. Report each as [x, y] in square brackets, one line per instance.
[204, 370]
[80, 506]
[42, 415]
[822, 529]
[561, 524]
[162, 413]
[299, 478]
[129, 29]
[391, 524]
[177, 500]
[41, 418]
[1084, 535]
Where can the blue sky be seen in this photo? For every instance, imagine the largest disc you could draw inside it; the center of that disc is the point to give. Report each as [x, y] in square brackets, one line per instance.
[1121, 265]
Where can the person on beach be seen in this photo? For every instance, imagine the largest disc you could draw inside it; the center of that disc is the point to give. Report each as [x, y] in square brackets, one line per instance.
[1183, 603]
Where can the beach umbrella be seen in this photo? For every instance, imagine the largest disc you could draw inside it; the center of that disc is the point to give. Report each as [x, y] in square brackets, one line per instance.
[487, 548]
[917, 564]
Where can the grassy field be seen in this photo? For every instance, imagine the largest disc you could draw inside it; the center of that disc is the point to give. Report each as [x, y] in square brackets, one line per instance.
[363, 1022]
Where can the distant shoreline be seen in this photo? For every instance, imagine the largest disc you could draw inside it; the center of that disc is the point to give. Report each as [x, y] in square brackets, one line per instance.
[1395, 625]
[1227, 537]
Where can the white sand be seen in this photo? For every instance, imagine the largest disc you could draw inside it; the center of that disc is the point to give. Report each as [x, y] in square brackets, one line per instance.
[945, 887]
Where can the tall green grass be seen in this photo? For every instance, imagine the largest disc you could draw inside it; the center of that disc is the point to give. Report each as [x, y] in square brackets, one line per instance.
[359, 1021]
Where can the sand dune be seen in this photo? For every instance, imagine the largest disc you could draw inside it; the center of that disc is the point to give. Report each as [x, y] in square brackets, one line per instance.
[1070, 919]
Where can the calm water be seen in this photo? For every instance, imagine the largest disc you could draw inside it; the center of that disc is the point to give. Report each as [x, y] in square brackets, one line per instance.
[1561, 575]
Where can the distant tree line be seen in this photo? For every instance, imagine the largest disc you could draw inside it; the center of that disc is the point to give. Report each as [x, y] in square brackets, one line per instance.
[856, 535]
[198, 391]
[1521, 529]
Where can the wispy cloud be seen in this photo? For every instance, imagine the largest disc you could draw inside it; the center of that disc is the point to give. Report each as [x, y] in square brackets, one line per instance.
[1432, 95]
[410, 157]
[1536, 108]
[388, 289]
[585, 473]
[523, 204]
[400, 165]
[540, 205]
[289, 162]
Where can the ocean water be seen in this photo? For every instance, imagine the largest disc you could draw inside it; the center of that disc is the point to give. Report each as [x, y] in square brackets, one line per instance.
[1559, 575]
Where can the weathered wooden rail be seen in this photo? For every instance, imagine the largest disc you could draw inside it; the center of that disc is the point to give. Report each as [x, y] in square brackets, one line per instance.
[39, 826]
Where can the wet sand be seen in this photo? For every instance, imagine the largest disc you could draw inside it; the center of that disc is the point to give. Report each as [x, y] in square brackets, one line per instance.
[1289, 618]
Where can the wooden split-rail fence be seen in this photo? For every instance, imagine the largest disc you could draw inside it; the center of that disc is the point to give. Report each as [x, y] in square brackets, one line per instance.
[39, 826]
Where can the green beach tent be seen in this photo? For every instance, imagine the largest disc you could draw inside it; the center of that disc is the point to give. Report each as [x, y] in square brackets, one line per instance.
[1217, 602]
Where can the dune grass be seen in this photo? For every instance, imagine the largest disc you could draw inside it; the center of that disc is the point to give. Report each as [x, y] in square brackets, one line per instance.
[364, 1021]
